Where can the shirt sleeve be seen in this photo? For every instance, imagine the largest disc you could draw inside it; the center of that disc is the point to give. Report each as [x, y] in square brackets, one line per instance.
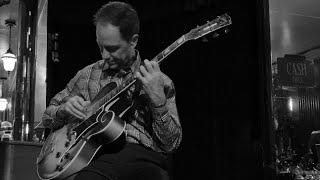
[50, 119]
[166, 124]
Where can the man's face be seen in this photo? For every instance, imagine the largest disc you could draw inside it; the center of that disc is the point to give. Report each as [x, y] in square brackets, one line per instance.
[114, 49]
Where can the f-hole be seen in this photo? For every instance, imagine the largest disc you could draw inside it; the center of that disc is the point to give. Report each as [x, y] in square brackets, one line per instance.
[107, 115]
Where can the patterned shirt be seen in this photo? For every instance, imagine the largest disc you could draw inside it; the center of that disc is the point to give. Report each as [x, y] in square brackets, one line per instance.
[157, 128]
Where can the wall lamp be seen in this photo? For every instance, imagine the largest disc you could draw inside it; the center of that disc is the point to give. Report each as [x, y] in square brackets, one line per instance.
[9, 58]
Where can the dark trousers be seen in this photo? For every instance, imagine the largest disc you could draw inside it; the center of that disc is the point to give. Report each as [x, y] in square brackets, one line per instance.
[130, 162]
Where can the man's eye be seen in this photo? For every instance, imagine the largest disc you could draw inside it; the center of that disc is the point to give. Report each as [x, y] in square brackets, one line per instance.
[111, 49]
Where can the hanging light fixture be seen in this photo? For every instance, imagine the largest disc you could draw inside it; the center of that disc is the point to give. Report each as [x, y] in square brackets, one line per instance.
[9, 59]
[3, 104]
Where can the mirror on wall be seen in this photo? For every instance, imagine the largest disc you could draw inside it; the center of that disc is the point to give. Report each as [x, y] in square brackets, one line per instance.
[295, 56]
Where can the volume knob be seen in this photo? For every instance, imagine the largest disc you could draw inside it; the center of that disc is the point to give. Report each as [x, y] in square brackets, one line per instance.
[58, 154]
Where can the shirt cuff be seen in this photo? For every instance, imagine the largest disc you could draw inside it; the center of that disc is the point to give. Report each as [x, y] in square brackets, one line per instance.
[160, 112]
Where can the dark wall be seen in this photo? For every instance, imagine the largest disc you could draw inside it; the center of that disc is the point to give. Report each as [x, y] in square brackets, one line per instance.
[221, 84]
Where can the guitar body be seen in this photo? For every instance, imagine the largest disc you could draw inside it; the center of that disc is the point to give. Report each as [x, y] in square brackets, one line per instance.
[65, 152]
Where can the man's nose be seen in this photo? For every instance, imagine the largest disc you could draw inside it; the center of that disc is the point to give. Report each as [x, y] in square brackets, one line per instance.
[105, 54]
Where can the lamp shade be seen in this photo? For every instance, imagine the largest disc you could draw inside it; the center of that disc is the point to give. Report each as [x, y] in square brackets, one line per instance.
[3, 104]
[9, 60]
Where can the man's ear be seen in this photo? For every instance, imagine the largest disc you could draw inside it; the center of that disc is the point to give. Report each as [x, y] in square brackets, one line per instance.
[134, 40]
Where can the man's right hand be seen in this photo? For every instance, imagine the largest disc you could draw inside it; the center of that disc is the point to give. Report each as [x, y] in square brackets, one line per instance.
[74, 106]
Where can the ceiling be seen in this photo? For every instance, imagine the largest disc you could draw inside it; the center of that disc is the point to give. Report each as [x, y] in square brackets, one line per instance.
[294, 26]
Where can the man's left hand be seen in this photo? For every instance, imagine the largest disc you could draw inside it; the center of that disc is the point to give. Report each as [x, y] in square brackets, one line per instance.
[151, 77]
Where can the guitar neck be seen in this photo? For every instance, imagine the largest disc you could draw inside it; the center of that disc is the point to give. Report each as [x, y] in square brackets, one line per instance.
[163, 54]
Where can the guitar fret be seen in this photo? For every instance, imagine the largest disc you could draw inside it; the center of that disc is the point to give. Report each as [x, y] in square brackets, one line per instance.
[180, 40]
[170, 49]
[167, 50]
[159, 56]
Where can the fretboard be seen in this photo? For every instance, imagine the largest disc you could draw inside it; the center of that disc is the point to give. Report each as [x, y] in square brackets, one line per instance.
[163, 54]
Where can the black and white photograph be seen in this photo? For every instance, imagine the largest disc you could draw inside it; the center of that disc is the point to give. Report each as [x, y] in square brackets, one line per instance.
[159, 90]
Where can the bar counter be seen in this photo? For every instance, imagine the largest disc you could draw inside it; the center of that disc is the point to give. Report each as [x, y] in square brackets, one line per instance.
[18, 160]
